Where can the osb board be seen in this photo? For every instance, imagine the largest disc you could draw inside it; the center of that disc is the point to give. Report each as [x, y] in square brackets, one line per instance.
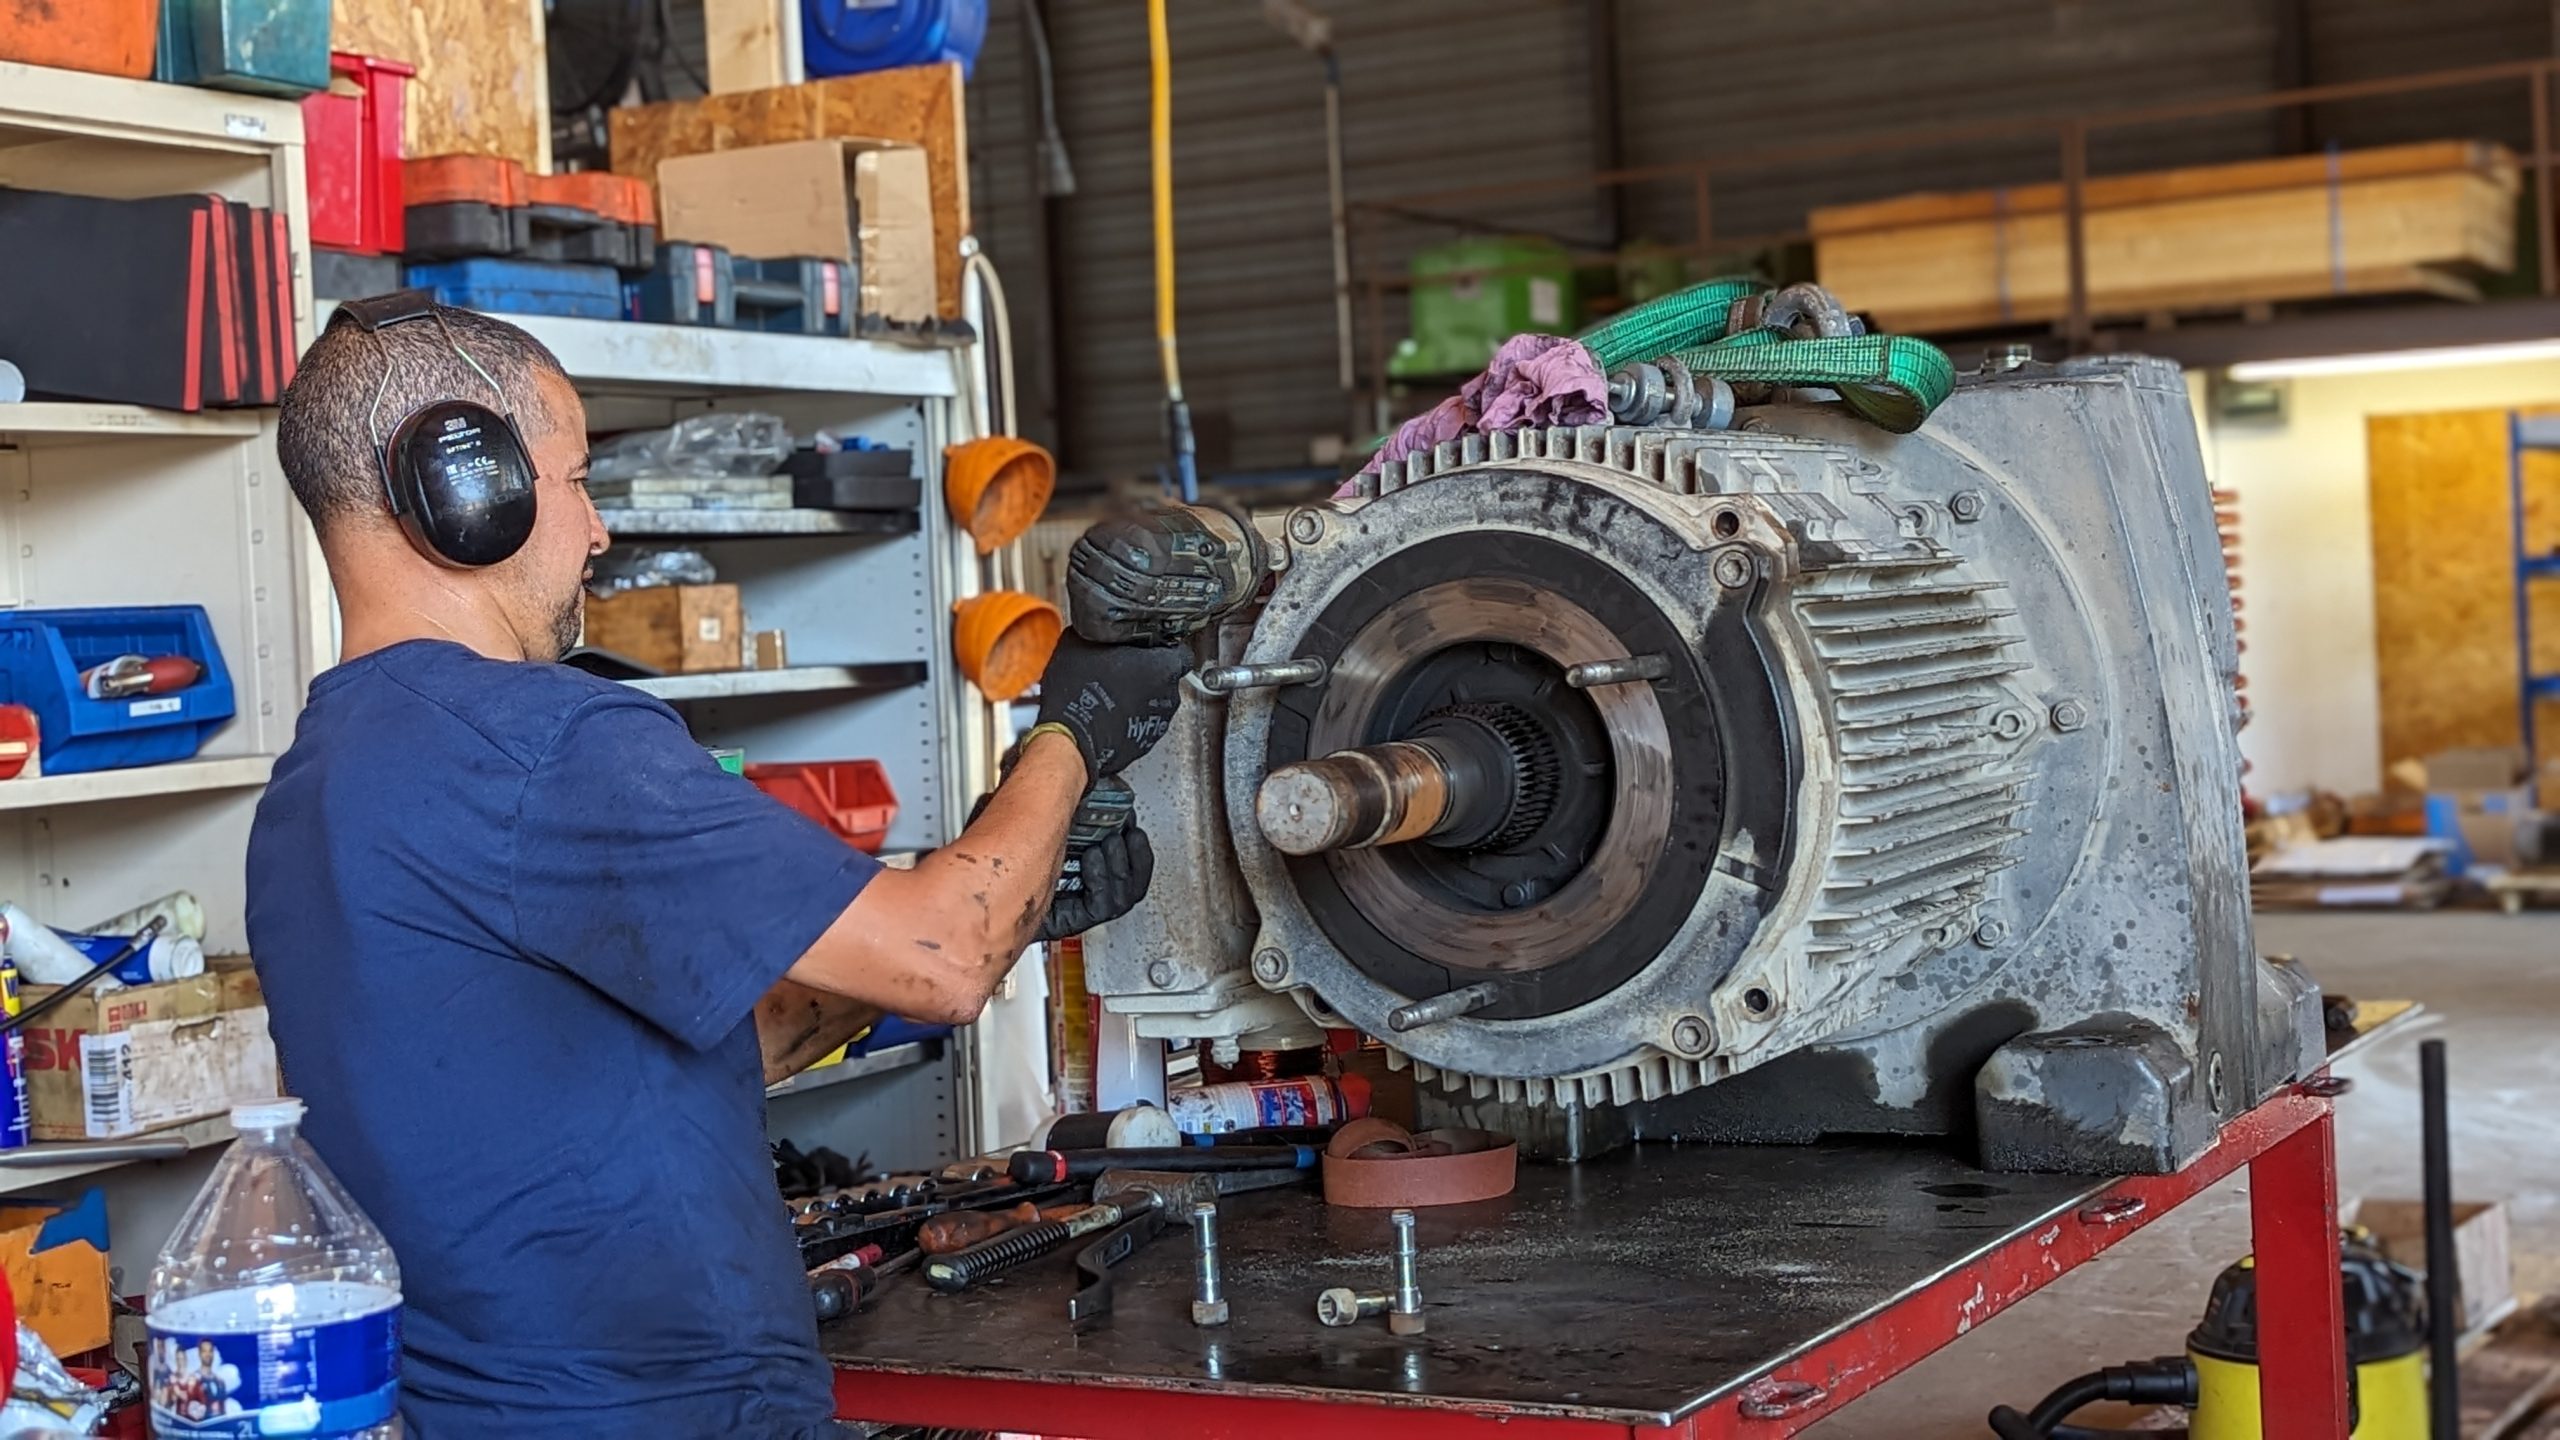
[2444, 581]
[921, 105]
[2380, 235]
[483, 85]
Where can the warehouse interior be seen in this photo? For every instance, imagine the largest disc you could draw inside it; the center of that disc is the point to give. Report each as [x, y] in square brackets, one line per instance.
[1545, 717]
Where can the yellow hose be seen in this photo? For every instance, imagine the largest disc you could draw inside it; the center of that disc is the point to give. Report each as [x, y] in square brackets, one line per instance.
[1160, 135]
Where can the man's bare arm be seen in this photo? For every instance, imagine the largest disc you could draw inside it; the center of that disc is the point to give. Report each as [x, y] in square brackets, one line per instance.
[932, 943]
[798, 1026]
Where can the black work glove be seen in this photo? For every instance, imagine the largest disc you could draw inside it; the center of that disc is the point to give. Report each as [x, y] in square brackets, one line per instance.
[1115, 700]
[1107, 882]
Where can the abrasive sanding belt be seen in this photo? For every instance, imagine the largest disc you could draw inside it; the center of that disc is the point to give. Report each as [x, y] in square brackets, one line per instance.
[1891, 381]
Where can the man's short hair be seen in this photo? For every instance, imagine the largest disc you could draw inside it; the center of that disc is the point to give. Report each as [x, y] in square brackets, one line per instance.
[325, 432]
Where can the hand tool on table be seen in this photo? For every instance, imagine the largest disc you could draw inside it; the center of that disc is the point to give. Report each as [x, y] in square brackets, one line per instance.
[957, 1230]
[1050, 1167]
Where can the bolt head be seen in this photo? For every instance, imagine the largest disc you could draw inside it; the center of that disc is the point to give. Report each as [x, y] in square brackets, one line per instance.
[1208, 1312]
[1733, 569]
[1270, 967]
[2070, 715]
[1160, 974]
[1338, 1306]
[1966, 506]
[2011, 723]
[1401, 1219]
[1990, 933]
[1516, 894]
[1306, 526]
[1403, 1324]
[1690, 1035]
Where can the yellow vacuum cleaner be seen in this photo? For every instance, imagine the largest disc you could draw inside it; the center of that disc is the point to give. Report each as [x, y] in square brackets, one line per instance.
[2217, 1379]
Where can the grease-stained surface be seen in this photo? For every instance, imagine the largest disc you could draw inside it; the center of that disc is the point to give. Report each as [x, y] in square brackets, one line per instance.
[2491, 984]
[1639, 1285]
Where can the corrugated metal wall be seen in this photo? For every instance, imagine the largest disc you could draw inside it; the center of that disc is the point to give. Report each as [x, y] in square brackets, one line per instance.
[1448, 93]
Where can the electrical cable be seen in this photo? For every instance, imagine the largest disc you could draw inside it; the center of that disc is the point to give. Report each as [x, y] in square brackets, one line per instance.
[1007, 420]
[1160, 151]
[132, 947]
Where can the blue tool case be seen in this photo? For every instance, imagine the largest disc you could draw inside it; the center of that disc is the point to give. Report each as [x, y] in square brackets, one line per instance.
[42, 653]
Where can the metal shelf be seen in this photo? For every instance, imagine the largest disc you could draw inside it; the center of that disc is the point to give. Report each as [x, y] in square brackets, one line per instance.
[858, 1067]
[75, 423]
[178, 777]
[727, 524]
[692, 359]
[18, 1177]
[798, 679]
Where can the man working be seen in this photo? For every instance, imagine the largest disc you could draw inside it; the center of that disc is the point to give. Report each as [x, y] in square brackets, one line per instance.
[531, 956]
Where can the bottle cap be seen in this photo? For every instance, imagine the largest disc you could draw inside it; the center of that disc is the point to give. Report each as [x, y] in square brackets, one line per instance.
[267, 1114]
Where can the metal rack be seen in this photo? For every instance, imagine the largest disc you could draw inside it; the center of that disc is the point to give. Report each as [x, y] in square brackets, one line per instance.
[2527, 433]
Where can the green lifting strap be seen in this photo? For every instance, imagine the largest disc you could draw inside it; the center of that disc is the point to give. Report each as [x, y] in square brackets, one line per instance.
[1690, 316]
[1893, 382]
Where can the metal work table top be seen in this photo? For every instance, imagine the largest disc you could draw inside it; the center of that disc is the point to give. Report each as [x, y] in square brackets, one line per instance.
[1638, 1287]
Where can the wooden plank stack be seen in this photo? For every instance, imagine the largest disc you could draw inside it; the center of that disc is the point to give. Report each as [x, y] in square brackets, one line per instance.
[2425, 218]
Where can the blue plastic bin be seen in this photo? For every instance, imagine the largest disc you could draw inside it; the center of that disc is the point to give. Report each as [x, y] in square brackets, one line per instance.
[524, 287]
[42, 653]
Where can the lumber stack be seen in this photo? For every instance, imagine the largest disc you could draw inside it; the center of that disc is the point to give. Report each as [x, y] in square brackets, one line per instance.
[2353, 872]
[2426, 218]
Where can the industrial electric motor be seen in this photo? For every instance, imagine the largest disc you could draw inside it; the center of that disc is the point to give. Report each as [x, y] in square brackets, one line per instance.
[1762, 782]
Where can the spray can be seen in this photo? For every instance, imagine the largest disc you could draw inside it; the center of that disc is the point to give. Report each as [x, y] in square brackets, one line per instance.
[15, 1118]
[1263, 1104]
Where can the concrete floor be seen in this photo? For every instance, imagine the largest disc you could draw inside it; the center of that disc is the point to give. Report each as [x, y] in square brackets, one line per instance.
[2492, 985]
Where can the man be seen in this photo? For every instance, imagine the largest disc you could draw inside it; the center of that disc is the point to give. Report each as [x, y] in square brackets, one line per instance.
[531, 956]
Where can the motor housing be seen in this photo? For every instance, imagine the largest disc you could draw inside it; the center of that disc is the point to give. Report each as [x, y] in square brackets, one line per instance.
[1757, 783]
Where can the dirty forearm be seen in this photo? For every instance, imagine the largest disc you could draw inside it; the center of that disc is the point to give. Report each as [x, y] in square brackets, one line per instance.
[796, 1026]
[1003, 869]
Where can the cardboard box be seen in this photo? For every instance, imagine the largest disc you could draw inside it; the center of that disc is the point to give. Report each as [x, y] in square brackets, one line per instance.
[866, 202]
[2478, 767]
[55, 1258]
[108, 1065]
[2480, 1251]
[768, 650]
[677, 629]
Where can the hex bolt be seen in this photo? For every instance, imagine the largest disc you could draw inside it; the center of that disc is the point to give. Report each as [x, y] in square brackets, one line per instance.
[2070, 715]
[1448, 1006]
[1306, 526]
[1160, 974]
[1733, 569]
[1966, 506]
[1990, 932]
[1228, 679]
[1690, 1035]
[1625, 669]
[1209, 1303]
[1270, 966]
[1343, 1305]
[1404, 1317]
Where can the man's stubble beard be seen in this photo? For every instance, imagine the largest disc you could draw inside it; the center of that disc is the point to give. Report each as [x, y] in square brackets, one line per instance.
[568, 623]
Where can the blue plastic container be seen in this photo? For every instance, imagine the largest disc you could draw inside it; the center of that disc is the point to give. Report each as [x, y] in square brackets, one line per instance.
[42, 653]
[848, 37]
[892, 1031]
[524, 287]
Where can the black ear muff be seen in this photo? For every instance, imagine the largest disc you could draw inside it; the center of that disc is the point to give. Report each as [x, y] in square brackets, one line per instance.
[460, 482]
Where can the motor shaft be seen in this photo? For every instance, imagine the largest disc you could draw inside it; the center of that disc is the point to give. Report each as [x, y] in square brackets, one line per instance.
[1354, 799]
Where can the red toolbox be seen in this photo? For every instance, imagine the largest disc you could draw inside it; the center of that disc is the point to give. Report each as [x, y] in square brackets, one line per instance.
[351, 155]
[851, 797]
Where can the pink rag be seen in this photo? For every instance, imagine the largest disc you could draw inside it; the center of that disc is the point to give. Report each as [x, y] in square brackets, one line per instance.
[1533, 380]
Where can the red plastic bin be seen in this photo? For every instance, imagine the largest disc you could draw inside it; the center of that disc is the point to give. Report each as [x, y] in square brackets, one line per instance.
[351, 156]
[851, 797]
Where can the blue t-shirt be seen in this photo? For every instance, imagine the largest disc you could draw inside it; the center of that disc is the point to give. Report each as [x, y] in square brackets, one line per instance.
[512, 923]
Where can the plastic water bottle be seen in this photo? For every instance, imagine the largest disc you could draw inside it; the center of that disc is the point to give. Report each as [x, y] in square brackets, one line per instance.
[275, 1308]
